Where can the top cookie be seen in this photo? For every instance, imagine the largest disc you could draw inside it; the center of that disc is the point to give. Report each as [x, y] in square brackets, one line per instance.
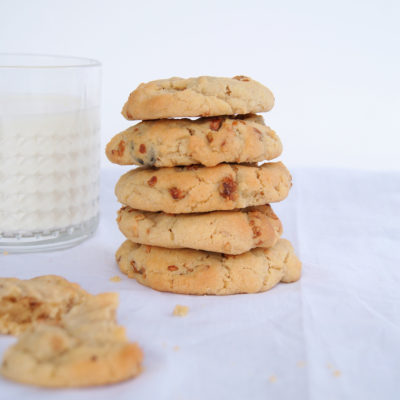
[197, 97]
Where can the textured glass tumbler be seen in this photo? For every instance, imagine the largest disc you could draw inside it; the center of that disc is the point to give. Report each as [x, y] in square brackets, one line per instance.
[49, 151]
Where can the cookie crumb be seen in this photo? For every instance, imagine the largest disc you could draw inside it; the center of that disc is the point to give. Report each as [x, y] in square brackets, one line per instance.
[5, 253]
[272, 378]
[329, 366]
[180, 311]
[115, 278]
[301, 364]
[337, 373]
[176, 348]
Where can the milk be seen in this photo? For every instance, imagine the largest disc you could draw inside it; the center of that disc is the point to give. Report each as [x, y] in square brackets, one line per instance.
[49, 163]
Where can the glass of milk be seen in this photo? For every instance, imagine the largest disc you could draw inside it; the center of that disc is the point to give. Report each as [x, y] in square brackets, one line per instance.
[49, 151]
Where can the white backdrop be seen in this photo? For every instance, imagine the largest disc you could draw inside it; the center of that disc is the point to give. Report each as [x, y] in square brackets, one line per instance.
[333, 66]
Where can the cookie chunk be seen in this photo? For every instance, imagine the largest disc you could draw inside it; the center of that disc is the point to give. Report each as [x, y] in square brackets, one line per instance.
[86, 347]
[230, 232]
[201, 189]
[206, 141]
[180, 311]
[41, 299]
[200, 272]
[204, 96]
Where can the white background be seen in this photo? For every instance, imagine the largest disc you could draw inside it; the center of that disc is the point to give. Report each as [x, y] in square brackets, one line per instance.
[333, 66]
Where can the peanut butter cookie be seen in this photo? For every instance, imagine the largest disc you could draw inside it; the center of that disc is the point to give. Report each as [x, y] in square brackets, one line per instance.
[201, 189]
[41, 299]
[229, 232]
[198, 272]
[206, 141]
[204, 96]
[85, 348]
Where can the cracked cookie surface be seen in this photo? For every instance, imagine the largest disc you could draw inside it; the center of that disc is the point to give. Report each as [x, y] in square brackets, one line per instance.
[40, 299]
[206, 141]
[229, 232]
[198, 272]
[202, 189]
[203, 96]
[86, 347]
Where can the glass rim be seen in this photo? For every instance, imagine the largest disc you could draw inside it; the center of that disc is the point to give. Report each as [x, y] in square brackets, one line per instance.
[69, 61]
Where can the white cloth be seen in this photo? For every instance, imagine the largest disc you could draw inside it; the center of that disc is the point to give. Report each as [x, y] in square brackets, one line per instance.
[335, 334]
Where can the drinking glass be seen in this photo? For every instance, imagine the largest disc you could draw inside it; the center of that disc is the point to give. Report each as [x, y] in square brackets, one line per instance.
[49, 151]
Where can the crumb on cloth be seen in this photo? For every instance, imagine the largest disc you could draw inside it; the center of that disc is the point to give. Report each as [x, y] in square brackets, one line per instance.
[301, 364]
[180, 311]
[335, 372]
[115, 278]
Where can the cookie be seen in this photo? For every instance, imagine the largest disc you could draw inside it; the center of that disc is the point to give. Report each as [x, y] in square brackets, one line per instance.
[204, 96]
[206, 141]
[41, 299]
[199, 272]
[201, 189]
[230, 232]
[86, 347]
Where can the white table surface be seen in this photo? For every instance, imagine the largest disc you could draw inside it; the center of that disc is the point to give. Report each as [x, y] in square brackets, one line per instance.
[335, 334]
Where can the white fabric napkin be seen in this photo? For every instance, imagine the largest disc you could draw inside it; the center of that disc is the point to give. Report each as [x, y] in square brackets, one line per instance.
[335, 334]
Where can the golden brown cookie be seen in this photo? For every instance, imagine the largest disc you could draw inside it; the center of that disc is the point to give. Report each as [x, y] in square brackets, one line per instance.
[202, 189]
[206, 141]
[204, 96]
[85, 348]
[41, 299]
[230, 232]
[199, 272]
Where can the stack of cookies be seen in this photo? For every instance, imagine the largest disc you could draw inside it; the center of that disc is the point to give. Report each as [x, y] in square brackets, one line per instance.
[196, 213]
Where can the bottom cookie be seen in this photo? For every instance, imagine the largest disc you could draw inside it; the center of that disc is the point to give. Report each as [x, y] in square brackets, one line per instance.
[198, 272]
[85, 348]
